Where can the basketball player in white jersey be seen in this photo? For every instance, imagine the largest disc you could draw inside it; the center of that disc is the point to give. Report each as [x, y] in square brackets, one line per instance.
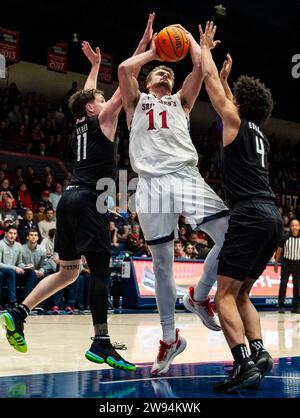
[163, 155]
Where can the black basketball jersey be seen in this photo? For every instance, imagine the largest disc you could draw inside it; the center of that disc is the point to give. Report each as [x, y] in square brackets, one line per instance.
[94, 153]
[244, 165]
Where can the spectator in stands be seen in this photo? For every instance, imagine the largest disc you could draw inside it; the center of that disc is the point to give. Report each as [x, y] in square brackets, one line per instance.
[40, 215]
[135, 243]
[4, 168]
[33, 257]
[133, 219]
[30, 175]
[114, 238]
[7, 211]
[24, 199]
[48, 244]
[66, 182]
[285, 222]
[5, 187]
[45, 199]
[4, 225]
[183, 231]
[17, 178]
[178, 249]
[10, 264]
[200, 243]
[56, 196]
[47, 224]
[26, 225]
[190, 251]
[49, 184]
[121, 227]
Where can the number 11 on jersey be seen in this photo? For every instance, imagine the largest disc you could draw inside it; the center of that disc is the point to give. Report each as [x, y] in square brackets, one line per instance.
[81, 146]
[163, 115]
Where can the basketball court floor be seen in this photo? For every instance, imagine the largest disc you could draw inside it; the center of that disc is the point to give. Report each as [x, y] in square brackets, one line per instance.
[55, 366]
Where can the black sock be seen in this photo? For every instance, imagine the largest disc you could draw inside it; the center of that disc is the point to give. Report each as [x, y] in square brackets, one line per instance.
[240, 353]
[24, 310]
[256, 345]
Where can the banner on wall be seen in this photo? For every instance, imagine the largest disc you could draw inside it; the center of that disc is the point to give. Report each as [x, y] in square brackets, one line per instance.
[58, 57]
[106, 68]
[187, 274]
[9, 44]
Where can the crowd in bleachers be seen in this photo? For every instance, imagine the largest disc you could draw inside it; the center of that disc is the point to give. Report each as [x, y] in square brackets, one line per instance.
[29, 124]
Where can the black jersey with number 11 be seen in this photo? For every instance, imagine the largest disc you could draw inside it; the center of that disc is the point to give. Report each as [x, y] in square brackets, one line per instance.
[244, 165]
[94, 153]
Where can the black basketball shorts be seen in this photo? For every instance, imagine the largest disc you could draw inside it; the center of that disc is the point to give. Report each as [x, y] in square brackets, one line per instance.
[80, 228]
[254, 231]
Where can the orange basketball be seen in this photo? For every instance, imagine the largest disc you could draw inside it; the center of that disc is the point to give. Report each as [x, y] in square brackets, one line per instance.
[172, 44]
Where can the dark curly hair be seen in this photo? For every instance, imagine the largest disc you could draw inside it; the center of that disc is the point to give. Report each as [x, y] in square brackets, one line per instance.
[253, 98]
[79, 99]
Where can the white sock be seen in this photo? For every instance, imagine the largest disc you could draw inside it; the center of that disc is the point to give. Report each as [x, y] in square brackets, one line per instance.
[165, 288]
[216, 229]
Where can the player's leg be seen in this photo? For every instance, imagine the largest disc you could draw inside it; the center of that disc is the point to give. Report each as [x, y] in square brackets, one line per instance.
[157, 195]
[165, 292]
[204, 209]
[13, 321]
[101, 350]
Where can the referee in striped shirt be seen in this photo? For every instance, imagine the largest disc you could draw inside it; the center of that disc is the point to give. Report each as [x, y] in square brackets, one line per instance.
[289, 248]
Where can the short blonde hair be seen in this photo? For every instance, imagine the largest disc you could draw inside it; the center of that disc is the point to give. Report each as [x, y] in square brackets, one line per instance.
[160, 67]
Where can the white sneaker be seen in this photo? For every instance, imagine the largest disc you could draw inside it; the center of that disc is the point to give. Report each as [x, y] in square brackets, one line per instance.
[166, 354]
[203, 309]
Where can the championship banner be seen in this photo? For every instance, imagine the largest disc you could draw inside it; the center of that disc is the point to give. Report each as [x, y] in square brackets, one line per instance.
[187, 273]
[58, 58]
[9, 44]
[145, 70]
[106, 68]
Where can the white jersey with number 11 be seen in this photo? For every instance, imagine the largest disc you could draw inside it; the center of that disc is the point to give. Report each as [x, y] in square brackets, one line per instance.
[160, 142]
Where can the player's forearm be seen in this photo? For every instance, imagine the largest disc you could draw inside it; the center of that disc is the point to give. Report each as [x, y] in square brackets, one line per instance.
[91, 82]
[227, 89]
[140, 49]
[209, 67]
[195, 52]
[132, 65]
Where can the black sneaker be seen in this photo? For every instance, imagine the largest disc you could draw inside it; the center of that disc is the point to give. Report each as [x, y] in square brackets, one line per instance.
[13, 324]
[242, 375]
[102, 351]
[263, 362]
[281, 310]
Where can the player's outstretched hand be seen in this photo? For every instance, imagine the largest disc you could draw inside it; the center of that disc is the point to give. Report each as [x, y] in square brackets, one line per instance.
[148, 34]
[92, 56]
[207, 37]
[225, 71]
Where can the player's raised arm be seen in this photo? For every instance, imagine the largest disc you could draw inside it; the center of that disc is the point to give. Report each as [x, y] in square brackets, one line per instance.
[95, 60]
[192, 83]
[223, 106]
[127, 73]
[224, 74]
[147, 36]
[115, 103]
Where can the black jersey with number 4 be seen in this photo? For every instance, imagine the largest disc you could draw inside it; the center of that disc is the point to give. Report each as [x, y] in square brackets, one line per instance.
[244, 165]
[94, 153]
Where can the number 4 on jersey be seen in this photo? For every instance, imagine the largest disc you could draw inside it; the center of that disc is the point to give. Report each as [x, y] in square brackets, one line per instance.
[260, 149]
